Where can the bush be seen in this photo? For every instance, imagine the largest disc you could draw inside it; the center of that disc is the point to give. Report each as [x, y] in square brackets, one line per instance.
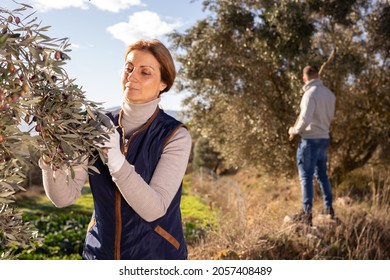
[60, 236]
[355, 185]
[205, 156]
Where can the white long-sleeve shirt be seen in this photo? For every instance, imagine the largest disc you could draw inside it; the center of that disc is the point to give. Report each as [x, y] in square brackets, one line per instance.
[317, 110]
[150, 201]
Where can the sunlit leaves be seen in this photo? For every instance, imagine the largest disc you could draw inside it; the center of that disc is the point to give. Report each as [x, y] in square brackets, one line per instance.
[243, 66]
[236, 64]
[36, 90]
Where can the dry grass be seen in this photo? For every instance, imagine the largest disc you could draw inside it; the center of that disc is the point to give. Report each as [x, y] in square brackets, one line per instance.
[252, 208]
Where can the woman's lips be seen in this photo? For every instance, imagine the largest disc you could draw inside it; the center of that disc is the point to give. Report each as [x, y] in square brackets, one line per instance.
[131, 87]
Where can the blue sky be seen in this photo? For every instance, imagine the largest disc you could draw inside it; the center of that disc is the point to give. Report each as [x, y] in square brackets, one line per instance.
[100, 30]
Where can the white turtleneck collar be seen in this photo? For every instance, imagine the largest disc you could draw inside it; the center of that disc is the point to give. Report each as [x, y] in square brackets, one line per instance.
[135, 115]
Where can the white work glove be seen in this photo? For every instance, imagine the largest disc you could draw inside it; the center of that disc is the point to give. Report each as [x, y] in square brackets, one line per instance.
[115, 158]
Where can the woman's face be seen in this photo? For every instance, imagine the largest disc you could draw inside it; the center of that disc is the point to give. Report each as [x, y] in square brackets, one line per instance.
[141, 77]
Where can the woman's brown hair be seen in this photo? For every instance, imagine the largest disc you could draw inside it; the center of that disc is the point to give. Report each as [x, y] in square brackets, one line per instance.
[163, 56]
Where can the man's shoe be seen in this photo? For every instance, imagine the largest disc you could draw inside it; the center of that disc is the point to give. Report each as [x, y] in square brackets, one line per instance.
[303, 217]
[328, 212]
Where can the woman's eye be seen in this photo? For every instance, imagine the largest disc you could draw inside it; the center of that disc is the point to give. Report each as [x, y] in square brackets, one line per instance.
[129, 68]
[145, 73]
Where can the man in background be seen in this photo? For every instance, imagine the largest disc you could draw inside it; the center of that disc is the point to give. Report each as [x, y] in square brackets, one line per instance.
[317, 109]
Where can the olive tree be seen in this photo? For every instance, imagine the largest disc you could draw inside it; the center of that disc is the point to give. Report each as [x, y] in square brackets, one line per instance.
[242, 65]
[35, 89]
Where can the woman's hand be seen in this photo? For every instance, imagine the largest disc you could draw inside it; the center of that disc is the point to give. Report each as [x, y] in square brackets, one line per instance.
[115, 158]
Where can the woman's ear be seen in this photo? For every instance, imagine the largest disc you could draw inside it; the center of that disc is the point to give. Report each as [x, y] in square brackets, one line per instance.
[162, 86]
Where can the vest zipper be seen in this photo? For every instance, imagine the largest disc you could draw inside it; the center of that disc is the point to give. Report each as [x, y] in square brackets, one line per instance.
[118, 195]
[118, 214]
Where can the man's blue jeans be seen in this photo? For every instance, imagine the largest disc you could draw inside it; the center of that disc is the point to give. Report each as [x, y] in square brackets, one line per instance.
[312, 157]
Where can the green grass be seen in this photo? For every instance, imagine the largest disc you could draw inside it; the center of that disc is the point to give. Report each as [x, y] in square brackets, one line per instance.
[42, 205]
[197, 218]
[192, 206]
[194, 209]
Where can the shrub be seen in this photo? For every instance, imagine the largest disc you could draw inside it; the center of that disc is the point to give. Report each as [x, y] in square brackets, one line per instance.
[60, 236]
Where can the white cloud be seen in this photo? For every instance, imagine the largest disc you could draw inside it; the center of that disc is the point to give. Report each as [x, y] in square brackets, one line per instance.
[46, 5]
[74, 46]
[142, 25]
[115, 5]
[111, 5]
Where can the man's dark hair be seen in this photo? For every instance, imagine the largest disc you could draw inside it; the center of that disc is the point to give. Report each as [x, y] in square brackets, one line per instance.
[310, 70]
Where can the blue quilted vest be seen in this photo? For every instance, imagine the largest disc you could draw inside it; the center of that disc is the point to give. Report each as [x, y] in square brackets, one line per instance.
[116, 231]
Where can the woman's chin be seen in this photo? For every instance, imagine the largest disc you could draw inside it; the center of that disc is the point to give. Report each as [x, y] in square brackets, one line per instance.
[129, 100]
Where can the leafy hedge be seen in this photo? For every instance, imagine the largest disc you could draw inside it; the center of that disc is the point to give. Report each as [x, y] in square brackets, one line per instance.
[60, 236]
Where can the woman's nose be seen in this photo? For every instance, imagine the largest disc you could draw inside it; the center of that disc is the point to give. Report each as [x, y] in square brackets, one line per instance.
[131, 76]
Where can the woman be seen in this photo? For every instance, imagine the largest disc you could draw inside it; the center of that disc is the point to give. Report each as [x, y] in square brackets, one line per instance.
[137, 191]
